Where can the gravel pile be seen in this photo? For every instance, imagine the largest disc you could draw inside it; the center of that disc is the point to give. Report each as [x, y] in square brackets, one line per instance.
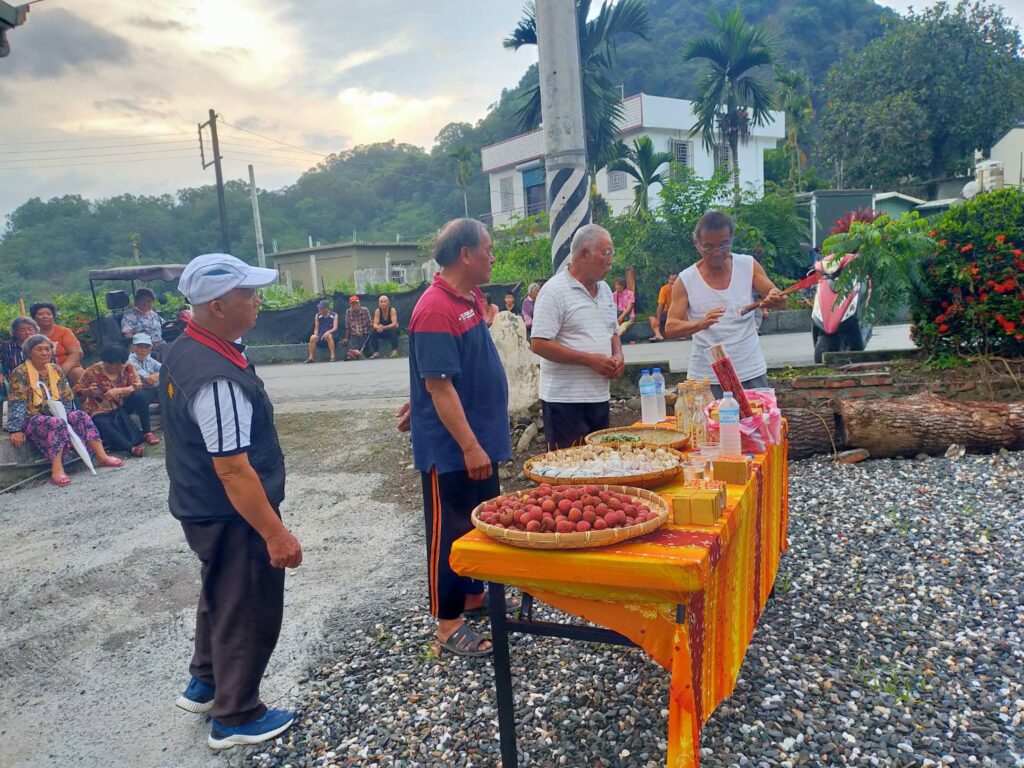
[894, 638]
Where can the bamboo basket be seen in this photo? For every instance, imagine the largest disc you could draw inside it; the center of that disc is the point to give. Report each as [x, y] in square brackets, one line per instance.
[647, 480]
[586, 539]
[678, 439]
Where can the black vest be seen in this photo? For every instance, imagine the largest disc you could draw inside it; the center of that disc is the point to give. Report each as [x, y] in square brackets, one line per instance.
[197, 494]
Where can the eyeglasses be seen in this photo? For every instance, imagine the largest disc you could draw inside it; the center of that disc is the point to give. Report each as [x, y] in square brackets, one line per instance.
[723, 247]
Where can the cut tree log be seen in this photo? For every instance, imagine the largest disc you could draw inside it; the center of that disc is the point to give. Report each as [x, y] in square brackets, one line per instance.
[926, 423]
[811, 432]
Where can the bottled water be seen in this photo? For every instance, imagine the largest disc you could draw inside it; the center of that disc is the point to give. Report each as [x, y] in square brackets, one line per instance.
[659, 390]
[729, 426]
[648, 398]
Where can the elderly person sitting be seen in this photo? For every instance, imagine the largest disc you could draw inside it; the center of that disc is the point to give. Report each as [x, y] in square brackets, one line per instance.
[385, 327]
[11, 354]
[142, 318]
[145, 365]
[110, 391]
[32, 383]
[66, 349]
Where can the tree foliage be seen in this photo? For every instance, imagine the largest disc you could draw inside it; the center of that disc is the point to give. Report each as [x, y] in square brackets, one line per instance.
[598, 38]
[890, 254]
[918, 101]
[645, 166]
[971, 297]
[734, 96]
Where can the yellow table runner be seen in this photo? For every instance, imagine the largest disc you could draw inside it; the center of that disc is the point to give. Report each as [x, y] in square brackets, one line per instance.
[722, 574]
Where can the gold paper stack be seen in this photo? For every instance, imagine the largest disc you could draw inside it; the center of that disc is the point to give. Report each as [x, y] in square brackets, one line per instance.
[700, 502]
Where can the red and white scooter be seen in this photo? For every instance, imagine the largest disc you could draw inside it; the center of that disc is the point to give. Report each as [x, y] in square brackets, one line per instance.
[838, 321]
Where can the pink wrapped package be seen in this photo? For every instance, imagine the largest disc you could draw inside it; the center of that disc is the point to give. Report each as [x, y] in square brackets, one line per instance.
[759, 431]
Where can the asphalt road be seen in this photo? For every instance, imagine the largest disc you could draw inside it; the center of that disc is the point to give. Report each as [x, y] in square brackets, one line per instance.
[384, 383]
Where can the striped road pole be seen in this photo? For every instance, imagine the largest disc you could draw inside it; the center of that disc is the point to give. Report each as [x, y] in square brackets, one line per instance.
[561, 100]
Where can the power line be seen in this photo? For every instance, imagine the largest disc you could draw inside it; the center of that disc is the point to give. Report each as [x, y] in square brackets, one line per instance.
[89, 157]
[189, 157]
[107, 138]
[283, 158]
[264, 148]
[84, 149]
[271, 138]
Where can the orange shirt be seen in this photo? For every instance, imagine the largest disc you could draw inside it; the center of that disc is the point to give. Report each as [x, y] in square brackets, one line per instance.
[64, 342]
[665, 297]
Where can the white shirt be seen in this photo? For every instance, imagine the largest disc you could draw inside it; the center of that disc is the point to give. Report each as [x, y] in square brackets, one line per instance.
[224, 415]
[737, 333]
[566, 313]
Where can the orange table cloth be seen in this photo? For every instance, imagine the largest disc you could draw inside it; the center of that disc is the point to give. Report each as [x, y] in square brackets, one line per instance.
[722, 574]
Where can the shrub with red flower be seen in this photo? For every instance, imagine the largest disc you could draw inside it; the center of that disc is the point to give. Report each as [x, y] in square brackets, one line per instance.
[971, 300]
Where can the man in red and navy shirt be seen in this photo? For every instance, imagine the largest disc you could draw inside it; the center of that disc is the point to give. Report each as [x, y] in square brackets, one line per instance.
[458, 411]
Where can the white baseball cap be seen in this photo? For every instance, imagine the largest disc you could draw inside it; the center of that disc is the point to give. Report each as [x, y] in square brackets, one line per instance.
[212, 275]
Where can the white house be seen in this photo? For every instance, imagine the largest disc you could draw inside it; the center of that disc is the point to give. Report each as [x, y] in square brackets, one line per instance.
[516, 173]
[1009, 151]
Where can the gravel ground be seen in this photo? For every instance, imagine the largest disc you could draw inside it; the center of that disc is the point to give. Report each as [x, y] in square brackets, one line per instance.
[98, 595]
[894, 638]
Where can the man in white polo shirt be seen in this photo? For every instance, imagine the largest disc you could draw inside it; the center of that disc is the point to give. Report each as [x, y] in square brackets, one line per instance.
[575, 332]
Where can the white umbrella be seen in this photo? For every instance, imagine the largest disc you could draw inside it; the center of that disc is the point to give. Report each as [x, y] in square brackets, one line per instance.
[56, 407]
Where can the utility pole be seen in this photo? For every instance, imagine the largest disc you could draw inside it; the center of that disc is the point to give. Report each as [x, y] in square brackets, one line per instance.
[225, 241]
[261, 257]
[561, 107]
[135, 251]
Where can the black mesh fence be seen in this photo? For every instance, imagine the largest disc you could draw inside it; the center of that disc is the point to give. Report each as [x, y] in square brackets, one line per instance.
[295, 324]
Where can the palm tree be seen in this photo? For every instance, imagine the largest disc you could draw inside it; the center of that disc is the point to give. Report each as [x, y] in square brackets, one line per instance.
[642, 163]
[465, 169]
[602, 102]
[732, 98]
[795, 100]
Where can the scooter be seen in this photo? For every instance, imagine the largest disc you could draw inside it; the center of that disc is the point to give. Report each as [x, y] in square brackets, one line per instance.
[838, 321]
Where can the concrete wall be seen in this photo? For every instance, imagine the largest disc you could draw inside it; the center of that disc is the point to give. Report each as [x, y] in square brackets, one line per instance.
[1010, 150]
[341, 262]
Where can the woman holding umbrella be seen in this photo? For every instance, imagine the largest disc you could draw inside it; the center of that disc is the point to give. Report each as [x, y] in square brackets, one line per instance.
[33, 383]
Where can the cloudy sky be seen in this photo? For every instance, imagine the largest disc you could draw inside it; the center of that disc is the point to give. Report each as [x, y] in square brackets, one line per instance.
[103, 97]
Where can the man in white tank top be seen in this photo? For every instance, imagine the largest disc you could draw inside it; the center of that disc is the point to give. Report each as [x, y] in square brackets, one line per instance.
[707, 299]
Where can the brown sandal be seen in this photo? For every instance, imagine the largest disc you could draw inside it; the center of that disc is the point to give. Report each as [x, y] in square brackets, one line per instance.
[465, 642]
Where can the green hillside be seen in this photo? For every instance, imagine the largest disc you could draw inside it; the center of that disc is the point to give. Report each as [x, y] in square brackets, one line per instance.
[388, 189]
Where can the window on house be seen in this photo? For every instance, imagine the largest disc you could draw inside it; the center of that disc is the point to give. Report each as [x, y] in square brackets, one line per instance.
[616, 181]
[682, 153]
[723, 157]
[401, 270]
[507, 197]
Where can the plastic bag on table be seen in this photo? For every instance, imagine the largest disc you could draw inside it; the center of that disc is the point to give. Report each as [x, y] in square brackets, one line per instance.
[759, 431]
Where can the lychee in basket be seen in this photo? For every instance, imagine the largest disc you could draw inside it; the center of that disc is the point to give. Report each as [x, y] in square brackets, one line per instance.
[579, 539]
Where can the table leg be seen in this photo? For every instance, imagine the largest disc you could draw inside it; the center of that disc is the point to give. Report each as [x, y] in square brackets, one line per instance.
[683, 735]
[503, 676]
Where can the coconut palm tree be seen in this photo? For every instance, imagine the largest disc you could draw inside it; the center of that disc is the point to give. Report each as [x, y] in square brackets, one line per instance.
[732, 98]
[644, 164]
[465, 169]
[602, 102]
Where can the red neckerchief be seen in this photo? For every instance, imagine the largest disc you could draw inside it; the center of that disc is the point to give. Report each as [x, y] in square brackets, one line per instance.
[217, 344]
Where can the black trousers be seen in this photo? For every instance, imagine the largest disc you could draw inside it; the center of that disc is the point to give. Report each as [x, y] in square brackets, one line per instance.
[118, 431]
[238, 621]
[568, 424]
[448, 498]
[378, 337]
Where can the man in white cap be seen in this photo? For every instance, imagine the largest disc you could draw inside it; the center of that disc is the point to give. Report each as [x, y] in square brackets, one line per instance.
[226, 475]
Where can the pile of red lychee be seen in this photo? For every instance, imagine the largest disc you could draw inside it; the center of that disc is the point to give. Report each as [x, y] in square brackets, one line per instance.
[565, 509]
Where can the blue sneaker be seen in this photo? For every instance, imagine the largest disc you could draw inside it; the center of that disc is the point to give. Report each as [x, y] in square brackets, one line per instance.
[197, 698]
[276, 721]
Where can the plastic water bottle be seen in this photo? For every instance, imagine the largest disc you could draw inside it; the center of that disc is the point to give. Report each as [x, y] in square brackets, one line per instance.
[729, 426]
[648, 398]
[659, 390]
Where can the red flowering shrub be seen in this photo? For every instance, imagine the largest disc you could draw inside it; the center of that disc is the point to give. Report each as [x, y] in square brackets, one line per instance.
[972, 297]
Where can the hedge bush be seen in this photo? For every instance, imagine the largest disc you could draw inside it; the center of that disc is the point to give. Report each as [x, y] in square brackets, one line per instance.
[971, 300]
